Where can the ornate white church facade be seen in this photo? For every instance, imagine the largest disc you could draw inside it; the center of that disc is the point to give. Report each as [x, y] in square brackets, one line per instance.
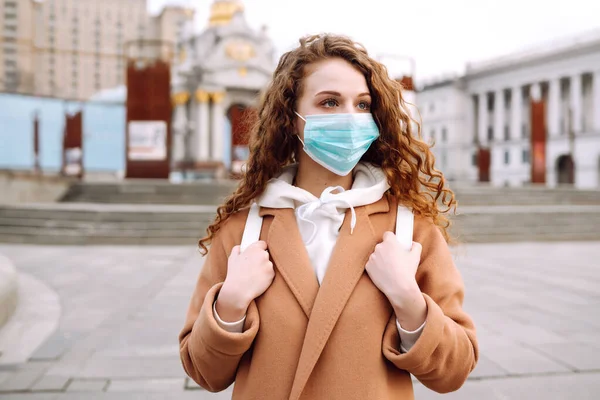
[216, 83]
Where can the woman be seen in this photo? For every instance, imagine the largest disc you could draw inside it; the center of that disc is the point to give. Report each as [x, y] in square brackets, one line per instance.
[328, 304]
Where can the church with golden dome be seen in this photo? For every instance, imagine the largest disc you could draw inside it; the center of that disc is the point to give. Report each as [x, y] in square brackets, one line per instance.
[216, 81]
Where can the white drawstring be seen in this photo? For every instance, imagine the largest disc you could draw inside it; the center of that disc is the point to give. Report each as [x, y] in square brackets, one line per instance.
[327, 197]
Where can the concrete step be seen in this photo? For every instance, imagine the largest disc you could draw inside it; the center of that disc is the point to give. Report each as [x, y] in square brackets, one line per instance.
[150, 192]
[63, 223]
[158, 192]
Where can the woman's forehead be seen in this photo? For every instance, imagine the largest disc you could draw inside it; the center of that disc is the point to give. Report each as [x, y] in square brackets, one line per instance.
[334, 74]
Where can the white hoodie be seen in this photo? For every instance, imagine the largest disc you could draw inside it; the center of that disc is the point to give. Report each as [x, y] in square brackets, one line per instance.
[320, 219]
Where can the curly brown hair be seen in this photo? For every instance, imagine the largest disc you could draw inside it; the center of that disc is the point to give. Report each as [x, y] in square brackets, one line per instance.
[400, 152]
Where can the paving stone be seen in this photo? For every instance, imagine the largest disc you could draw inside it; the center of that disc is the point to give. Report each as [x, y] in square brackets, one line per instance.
[132, 367]
[55, 346]
[190, 384]
[475, 390]
[487, 368]
[148, 385]
[529, 334]
[518, 360]
[24, 377]
[29, 396]
[87, 385]
[4, 375]
[553, 387]
[581, 357]
[49, 383]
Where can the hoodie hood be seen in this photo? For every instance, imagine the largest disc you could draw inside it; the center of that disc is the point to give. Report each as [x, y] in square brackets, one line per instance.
[370, 184]
[319, 219]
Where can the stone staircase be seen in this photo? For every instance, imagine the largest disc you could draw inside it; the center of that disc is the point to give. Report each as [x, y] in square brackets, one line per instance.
[141, 224]
[159, 192]
[156, 212]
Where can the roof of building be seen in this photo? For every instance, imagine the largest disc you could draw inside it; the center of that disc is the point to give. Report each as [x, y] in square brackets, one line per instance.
[553, 48]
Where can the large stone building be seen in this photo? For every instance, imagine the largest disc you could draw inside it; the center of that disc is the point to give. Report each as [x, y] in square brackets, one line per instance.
[73, 48]
[526, 117]
[216, 84]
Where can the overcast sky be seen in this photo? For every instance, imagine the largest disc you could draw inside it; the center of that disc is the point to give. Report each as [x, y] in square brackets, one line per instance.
[441, 35]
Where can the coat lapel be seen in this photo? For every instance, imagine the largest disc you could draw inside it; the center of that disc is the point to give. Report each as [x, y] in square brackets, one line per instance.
[290, 257]
[345, 268]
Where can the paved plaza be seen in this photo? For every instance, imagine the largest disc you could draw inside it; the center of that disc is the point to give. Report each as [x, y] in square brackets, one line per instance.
[102, 322]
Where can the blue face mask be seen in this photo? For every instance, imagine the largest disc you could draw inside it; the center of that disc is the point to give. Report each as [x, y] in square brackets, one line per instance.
[338, 141]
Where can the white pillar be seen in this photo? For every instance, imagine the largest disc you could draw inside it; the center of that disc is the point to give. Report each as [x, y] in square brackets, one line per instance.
[516, 113]
[482, 119]
[218, 114]
[470, 123]
[596, 101]
[180, 123]
[554, 111]
[499, 115]
[576, 103]
[202, 143]
[535, 93]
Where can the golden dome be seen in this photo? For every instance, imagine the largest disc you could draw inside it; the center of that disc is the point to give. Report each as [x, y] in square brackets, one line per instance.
[222, 11]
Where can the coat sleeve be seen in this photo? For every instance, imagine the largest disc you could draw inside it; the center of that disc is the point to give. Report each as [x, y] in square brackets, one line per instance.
[447, 351]
[210, 354]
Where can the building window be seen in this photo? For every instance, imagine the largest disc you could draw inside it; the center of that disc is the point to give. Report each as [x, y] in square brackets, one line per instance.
[506, 157]
[524, 131]
[433, 135]
[490, 133]
[506, 133]
[9, 16]
[525, 156]
[444, 134]
[474, 159]
[10, 4]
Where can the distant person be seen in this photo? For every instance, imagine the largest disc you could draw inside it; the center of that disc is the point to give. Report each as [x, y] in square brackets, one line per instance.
[330, 303]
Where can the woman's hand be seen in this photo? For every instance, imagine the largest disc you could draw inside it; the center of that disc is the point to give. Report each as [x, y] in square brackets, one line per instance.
[393, 269]
[249, 274]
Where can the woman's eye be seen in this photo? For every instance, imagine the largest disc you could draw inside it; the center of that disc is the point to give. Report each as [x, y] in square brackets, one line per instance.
[363, 105]
[329, 103]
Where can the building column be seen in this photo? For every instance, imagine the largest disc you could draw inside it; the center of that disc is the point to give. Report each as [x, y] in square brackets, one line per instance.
[180, 124]
[516, 112]
[499, 115]
[218, 114]
[576, 104]
[553, 114]
[482, 115]
[596, 101]
[202, 139]
[471, 118]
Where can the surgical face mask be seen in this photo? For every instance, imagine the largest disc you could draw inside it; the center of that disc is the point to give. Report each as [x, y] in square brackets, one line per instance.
[338, 141]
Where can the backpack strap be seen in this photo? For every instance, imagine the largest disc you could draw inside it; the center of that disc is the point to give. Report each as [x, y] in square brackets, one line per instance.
[253, 226]
[404, 227]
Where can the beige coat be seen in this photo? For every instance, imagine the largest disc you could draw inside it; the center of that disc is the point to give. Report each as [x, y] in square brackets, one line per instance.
[336, 341]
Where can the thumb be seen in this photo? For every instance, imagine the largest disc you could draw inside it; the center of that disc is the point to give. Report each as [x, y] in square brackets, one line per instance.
[416, 248]
[236, 250]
